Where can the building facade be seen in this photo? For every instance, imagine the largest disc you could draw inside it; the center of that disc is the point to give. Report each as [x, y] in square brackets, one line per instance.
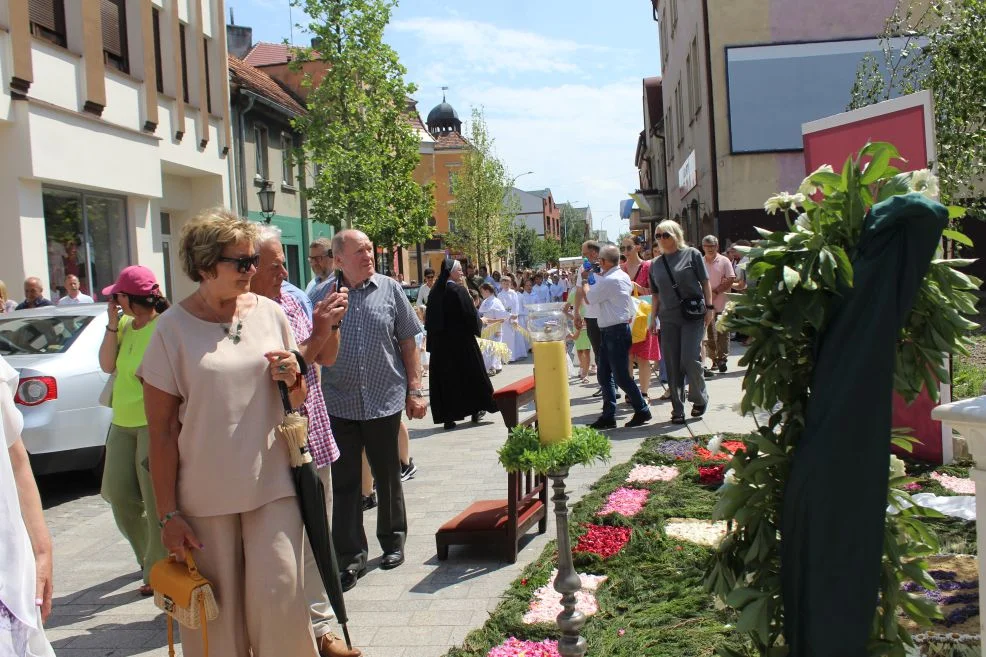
[738, 82]
[114, 124]
[537, 211]
[650, 159]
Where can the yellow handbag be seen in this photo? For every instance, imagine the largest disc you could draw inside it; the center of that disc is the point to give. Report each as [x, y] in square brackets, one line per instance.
[184, 595]
[641, 319]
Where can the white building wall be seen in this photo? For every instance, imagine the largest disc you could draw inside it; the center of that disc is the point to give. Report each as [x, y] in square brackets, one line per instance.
[49, 140]
[531, 212]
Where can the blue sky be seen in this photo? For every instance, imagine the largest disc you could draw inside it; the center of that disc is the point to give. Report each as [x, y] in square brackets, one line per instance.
[559, 81]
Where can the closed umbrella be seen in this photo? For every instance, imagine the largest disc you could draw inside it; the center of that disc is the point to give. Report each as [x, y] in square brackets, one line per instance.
[832, 531]
[311, 498]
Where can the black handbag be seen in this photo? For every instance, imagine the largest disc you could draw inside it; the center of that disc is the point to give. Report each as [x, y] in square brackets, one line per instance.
[693, 308]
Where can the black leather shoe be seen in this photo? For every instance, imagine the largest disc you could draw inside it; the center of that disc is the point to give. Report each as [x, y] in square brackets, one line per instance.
[348, 578]
[601, 424]
[449, 425]
[476, 417]
[392, 560]
[639, 419]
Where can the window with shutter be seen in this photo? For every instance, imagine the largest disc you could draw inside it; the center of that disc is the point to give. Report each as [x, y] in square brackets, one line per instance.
[114, 19]
[184, 62]
[48, 20]
[158, 68]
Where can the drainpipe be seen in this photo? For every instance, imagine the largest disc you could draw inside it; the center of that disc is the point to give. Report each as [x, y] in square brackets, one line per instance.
[241, 146]
[714, 168]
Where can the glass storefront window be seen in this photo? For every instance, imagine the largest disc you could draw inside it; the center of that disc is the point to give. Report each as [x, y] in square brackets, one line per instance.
[87, 237]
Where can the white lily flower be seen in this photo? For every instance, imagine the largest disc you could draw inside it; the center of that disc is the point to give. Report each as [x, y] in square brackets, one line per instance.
[715, 445]
[897, 468]
[803, 221]
[924, 182]
[730, 477]
[783, 201]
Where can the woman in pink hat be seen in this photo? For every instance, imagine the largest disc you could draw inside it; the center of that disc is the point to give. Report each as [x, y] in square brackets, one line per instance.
[126, 474]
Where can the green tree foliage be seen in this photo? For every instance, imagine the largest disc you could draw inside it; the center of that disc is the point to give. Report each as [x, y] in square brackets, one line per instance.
[525, 246]
[481, 216]
[356, 131]
[798, 274]
[952, 65]
[547, 251]
[572, 231]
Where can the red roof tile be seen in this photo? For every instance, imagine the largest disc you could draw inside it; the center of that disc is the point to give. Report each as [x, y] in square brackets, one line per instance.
[263, 54]
[451, 140]
[252, 78]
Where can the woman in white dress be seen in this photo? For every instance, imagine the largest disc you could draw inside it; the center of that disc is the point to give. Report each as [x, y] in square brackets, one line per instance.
[512, 337]
[493, 314]
[25, 570]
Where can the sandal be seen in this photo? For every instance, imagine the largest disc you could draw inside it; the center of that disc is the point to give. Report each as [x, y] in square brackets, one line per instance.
[698, 410]
[666, 396]
[677, 419]
[146, 591]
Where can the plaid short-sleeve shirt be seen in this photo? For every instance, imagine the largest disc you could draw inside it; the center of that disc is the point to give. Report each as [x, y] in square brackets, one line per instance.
[368, 379]
[320, 441]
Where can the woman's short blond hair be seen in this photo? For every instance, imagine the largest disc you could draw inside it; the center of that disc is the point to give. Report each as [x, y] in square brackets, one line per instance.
[673, 228]
[204, 238]
[3, 293]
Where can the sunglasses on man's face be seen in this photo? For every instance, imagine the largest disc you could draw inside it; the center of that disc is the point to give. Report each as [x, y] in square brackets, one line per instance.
[664, 236]
[243, 264]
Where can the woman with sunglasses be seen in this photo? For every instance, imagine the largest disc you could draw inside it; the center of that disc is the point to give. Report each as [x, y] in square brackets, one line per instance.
[681, 339]
[648, 350]
[126, 475]
[222, 480]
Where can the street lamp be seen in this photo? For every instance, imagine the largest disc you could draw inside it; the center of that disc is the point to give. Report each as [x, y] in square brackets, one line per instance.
[266, 196]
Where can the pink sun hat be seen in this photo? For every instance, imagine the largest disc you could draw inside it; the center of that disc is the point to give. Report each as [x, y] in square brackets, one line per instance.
[136, 280]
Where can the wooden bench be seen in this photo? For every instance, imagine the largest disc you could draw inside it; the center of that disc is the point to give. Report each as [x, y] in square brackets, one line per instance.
[502, 522]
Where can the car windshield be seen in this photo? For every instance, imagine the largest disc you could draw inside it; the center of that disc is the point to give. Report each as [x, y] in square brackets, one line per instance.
[40, 335]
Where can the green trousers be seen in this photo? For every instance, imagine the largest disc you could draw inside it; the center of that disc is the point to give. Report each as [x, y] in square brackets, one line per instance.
[127, 487]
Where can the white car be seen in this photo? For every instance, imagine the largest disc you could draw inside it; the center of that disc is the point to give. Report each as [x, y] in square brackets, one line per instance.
[56, 352]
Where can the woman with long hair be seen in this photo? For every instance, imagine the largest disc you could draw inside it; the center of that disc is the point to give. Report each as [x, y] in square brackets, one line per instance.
[460, 386]
[6, 303]
[679, 273]
[126, 473]
[648, 350]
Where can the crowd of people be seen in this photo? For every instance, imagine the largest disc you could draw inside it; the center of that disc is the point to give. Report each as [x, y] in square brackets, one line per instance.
[195, 391]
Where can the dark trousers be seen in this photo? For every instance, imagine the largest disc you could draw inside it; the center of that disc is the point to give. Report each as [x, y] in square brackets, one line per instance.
[379, 438]
[592, 328]
[614, 363]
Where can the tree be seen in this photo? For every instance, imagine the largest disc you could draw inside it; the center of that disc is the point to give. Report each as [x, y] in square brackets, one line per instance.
[547, 251]
[481, 215]
[952, 65]
[356, 133]
[572, 231]
[525, 246]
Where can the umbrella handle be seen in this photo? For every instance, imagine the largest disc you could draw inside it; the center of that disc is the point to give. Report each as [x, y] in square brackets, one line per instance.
[285, 397]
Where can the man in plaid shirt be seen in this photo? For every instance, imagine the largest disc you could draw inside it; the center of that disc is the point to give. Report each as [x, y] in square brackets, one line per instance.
[318, 342]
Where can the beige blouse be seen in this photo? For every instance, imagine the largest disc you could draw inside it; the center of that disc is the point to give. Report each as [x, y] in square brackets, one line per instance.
[229, 461]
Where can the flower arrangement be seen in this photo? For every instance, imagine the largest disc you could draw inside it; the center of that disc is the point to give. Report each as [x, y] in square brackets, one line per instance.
[800, 272]
[702, 532]
[546, 603]
[603, 541]
[959, 485]
[514, 647]
[524, 451]
[724, 451]
[679, 450]
[712, 475]
[645, 474]
[627, 502]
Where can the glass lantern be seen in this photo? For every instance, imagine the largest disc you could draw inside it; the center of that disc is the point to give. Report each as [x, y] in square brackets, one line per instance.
[547, 322]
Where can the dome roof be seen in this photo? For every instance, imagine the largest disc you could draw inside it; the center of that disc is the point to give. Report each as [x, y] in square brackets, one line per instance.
[442, 112]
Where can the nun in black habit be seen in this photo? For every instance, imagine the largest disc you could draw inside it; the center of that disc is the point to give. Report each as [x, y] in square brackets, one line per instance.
[460, 386]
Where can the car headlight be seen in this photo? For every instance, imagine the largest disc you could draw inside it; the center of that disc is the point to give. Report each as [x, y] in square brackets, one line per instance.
[35, 390]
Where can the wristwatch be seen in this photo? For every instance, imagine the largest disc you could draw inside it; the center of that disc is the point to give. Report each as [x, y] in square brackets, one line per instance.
[419, 392]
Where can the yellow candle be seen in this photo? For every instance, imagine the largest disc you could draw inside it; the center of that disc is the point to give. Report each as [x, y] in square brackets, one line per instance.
[551, 392]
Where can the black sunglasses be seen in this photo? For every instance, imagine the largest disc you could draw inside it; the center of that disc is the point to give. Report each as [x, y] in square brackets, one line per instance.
[625, 247]
[664, 236]
[243, 264]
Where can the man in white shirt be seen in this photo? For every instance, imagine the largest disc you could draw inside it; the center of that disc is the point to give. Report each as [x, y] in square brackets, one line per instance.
[425, 289]
[611, 293]
[73, 293]
[557, 289]
[542, 292]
